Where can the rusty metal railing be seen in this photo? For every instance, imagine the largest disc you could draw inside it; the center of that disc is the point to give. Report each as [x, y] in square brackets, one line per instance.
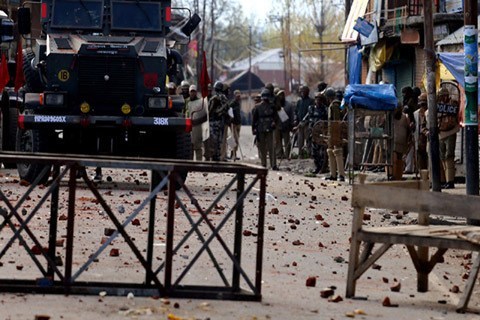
[173, 211]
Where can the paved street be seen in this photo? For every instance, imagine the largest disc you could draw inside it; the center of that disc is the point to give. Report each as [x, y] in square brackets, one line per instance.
[307, 235]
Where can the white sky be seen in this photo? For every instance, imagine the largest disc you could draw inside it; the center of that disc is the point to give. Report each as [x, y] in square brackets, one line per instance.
[258, 9]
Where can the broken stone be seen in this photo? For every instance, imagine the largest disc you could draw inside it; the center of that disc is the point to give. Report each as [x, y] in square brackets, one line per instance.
[63, 217]
[327, 292]
[135, 222]
[274, 211]
[376, 266]
[325, 224]
[344, 198]
[455, 289]
[271, 228]
[108, 231]
[335, 298]
[396, 286]
[114, 252]
[298, 243]
[247, 233]
[367, 217]
[42, 317]
[318, 217]
[338, 259]
[311, 282]
[36, 250]
[387, 303]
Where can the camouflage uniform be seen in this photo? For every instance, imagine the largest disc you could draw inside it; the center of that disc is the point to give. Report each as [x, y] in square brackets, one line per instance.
[335, 144]
[316, 113]
[217, 110]
[263, 126]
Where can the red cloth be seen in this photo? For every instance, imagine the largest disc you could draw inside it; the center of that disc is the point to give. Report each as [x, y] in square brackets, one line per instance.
[4, 76]
[19, 77]
[204, 78]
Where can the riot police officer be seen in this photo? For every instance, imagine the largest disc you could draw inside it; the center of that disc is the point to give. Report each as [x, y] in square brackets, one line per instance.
[263, 126]
[217, 111]
[335, 143]
[315, 113]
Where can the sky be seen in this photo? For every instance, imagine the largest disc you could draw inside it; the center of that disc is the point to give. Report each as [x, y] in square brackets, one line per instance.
[257, 9]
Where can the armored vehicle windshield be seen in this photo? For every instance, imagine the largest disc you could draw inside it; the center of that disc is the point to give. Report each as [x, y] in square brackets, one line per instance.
[136, 15]
[83, 14]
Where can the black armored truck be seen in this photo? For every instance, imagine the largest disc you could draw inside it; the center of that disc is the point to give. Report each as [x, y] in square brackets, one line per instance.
[96, 81]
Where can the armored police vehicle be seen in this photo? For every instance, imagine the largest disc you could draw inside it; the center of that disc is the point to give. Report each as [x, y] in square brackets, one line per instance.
[95, 81]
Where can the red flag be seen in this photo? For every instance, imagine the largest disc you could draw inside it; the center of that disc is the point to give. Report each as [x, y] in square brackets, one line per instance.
[4, 76]
[19, 77]
[204, 78]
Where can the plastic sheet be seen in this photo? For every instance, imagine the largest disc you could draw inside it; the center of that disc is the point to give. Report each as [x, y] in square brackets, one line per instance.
[371, 96]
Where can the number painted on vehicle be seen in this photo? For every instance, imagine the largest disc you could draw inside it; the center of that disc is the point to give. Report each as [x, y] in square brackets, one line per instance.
[160, 121]
[63, 75]
[48, 119]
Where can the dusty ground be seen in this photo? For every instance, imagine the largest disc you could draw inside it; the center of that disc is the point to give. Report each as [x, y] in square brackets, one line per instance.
[309, 237]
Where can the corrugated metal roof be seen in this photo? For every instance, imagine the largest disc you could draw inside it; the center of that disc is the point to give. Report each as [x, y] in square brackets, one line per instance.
[454, 38]
[270, 56]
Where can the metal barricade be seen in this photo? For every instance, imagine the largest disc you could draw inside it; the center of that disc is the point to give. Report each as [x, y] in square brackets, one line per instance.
[186, 248]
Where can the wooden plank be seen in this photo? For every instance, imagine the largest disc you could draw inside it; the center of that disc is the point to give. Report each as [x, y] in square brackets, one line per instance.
[376, 196]
[437, 230]
[472, 278]
[408, 184]
[446, 242]
[367, 263]
[354, 254]
[354, 251]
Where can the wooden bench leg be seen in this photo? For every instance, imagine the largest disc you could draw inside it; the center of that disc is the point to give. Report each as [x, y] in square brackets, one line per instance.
[354, 252]
[472, 278]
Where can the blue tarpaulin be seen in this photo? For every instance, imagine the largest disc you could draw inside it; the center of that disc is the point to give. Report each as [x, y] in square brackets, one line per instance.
[371, 96]
[454, 62]
[354, 65]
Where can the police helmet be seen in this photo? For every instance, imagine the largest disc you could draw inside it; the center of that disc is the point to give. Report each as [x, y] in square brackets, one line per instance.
[321, 86]
[218, 86]
[265, 94]
[443, 92]
[185, 84]
[416, 91]
[329, 92]
[407, 90]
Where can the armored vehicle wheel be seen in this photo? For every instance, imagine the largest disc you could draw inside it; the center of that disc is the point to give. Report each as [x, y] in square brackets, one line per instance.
[9, 132]
[33, 83]
[32, 141]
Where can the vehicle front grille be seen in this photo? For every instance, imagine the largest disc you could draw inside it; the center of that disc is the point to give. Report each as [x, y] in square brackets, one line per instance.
[106, 83]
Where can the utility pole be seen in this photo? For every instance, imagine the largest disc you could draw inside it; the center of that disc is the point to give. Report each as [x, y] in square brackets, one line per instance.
[431, 96]
[471, 92]
[212, 34]
[289, 51]
[249, 65]
[322, 28]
